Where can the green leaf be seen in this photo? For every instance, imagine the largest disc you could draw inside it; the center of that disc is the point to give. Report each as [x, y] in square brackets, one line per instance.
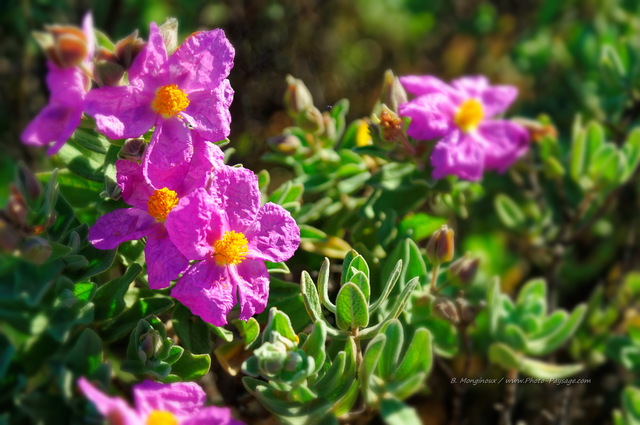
[312, 304]
[274, 268]
[395, 412]
[86, 354]
[348, 258]
[346, 402]
[631, 150]
[509, 212]
[323, 286]
[558, 336]
[419, 226]
[515, 337]
[418, 357]
[368, 366]
[334, 376]
[84, 291]
[357, 264]
[542, 370]
[109, 299]
[388, 287]
[362, 282]
[190, 367]
[503, 356]
[279, 322]
[249, 330]
[222, 332]
[126, 321]
[193, 332]
[494, 306]
[352, 310]
[315, 343]
[389, 358]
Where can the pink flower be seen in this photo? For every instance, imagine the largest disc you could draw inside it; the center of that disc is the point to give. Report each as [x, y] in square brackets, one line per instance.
[152, 202]
[68, 86]
[181, 403]
[461, 116]
[231, 236]
[188, 88]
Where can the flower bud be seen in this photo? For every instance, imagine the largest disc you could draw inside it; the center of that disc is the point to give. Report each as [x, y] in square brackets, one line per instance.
[9, 236]
[108, 73]
[297, 97]
[329, 125]
[133, 149]
[440, 246]
[390, 125]
[150, 345]
[36, 250]
[310, 120]
[393, 94]
[16, 209]
[287, 144]
[446, 309]
[169, 33]
[128, 48]
[28, 183]
[464, 269]
[66, 46]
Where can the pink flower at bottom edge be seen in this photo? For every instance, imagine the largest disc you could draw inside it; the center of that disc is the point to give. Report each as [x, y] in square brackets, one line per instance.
[180, 403]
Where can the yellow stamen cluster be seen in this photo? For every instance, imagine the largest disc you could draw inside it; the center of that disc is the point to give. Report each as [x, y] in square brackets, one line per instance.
[469, 115]
[161, 417]
[231, 249]
[161, 202]
[170, 101]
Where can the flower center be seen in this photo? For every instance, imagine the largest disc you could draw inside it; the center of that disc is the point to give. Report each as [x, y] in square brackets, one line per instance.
[161, 417]
[170, 101]
[469, 115]
[161, 202]
[231, 249]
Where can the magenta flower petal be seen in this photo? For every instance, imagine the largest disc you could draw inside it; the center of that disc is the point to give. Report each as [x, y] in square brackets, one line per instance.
[207, 157]
[471, 87]
[274, 235]
[202, 62]
[208, 112]
[431, 116]
[169, 153]
[119, 226]
[180, 398]
[508, 142]
[54, 124]
[135, 189]
[497, 99]
[460, 155]
[212, 415]
[424, 84]
[208, 291]
[164, 260]
[237, 190]
[116, 409]
[195, 223]
[149, 70]
[253, 287]
[68, 86]
[121, 112]
[87, 29]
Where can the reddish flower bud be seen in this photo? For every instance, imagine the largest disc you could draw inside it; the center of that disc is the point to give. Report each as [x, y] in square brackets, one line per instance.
[66, 46]
[440, 246]
[464, 269]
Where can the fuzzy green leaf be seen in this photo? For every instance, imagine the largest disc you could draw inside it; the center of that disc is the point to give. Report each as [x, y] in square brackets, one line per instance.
[352, 310]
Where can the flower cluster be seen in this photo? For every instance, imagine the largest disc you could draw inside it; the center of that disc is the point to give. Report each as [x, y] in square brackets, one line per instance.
[200, 218]
[159, 404]
[461, 117]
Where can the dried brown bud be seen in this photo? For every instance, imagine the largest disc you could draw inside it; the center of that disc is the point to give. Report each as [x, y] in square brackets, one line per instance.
[464, 269]
[66, 46]
[133, 149]
[446, 309]
[108, 73]
[390, 125]
[393, 94]
[297, 98]
[128, 48]
[287, 144]
[537, 130]
[440, 246]
[311, 120]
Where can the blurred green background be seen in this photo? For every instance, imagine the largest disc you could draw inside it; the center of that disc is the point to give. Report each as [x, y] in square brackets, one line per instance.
[549, 49]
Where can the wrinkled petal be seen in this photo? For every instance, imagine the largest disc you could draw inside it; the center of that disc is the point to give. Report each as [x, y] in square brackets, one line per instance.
[110, 407]
[471, 87]
[68, 86]
[164, 260]
[119, 226]
[431, 116]
[149, 69]
[424, 84]
[121, 112]
[195, 224]
[54, 124]
[460, 155]
[505, 141]
[274, 235]
[253, 287]
[202, 62]
[208, 291]
[236, 189]
[208, 112]
[135, 189]
[496, 99]
[212, 415]
[166, 160]
[206, 158]
[180, 398]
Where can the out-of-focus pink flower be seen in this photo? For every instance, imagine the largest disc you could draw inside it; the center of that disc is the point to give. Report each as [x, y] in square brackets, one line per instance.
[68, 86]
[188, 88]
[231, 236]
[462, 115]
[180, 403]
[152, 202]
